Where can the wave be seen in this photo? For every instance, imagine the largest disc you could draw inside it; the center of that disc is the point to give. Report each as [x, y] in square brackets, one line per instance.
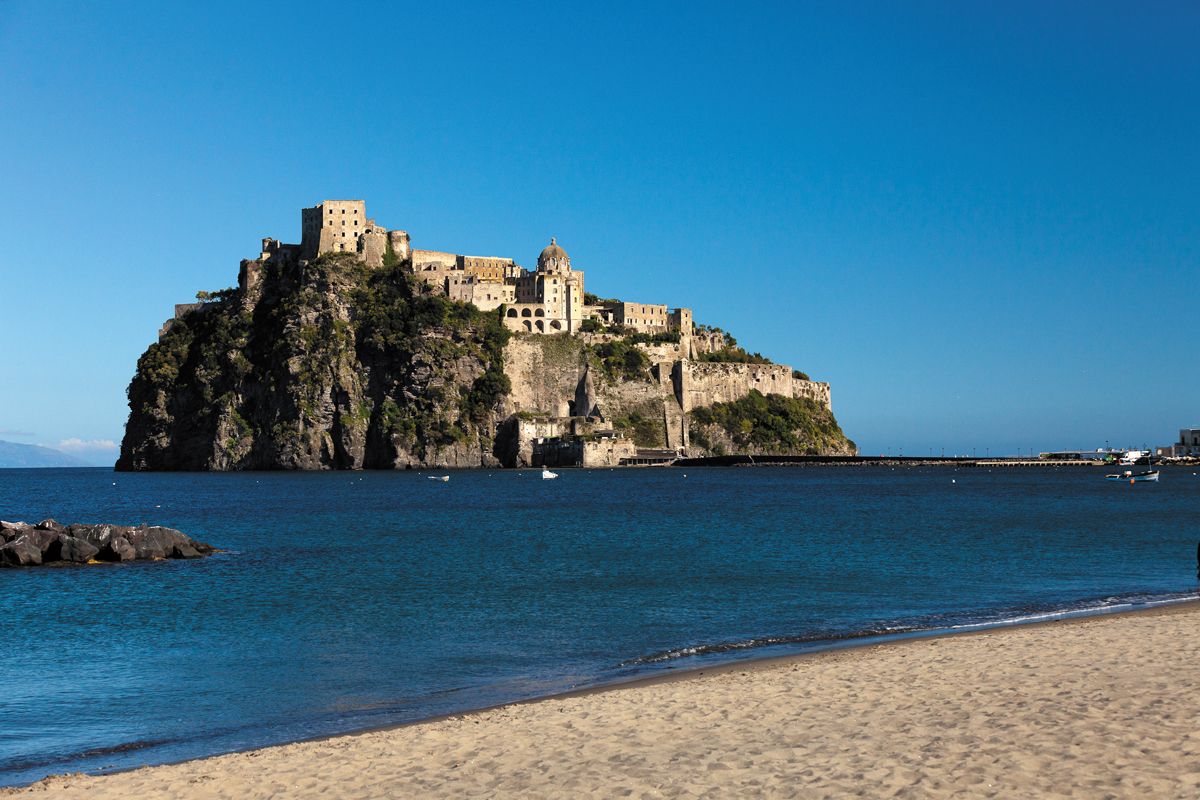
[925, 625]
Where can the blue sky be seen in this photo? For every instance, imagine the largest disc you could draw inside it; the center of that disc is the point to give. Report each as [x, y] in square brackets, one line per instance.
[979, 222]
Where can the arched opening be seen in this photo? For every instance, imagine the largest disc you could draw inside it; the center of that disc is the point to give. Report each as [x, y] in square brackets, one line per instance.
[541, 312]
[512, 312]
[528, 326]
[541, 326]
[556, 325]
[525, 312]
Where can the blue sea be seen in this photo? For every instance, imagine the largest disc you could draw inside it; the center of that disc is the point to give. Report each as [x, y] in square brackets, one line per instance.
[345, 601]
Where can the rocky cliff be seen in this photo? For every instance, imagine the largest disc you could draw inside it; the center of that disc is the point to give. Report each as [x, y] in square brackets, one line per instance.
[326, 364]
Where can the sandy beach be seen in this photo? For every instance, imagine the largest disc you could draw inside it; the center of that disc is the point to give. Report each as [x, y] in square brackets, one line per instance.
[1099, 707]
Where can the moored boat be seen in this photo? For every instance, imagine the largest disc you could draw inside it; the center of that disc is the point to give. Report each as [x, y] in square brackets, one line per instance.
[1134, 477]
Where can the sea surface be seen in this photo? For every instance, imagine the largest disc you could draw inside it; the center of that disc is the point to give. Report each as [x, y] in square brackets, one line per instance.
[345, 601]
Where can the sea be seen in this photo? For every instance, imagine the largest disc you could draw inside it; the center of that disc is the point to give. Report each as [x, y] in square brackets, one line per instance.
[354, 600]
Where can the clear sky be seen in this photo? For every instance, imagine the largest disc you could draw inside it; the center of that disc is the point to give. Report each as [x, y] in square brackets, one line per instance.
[978, 221]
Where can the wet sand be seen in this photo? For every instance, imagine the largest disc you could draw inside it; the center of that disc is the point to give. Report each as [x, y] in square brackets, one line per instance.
[1099, 707]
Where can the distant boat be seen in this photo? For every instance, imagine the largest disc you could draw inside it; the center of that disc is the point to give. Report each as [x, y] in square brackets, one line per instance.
[1135, 477]
[443, 478]
[547, 474]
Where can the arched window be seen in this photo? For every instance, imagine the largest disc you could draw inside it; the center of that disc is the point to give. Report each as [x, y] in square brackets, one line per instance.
[525, 312]
[541, 326]
[512, 312]
[528, 326]
[556, 325]
[541, 312]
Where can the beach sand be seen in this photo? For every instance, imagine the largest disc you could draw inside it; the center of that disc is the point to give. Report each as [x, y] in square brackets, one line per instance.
[1099, 707]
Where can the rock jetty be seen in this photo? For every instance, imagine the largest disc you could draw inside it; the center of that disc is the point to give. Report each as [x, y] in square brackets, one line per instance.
[48, 542]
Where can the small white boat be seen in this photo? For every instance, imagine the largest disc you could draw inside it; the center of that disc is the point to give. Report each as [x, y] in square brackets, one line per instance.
[1134, 477]
[443, 478]
[547, 474]
[1132, 457]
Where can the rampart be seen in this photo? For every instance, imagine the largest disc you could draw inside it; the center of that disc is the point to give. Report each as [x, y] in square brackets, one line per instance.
[700, 383]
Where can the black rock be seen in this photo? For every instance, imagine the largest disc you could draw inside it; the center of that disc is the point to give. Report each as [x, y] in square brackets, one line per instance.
[76, 550]
[118, 549]
[11, 530]
[20, 552]
[43, 539]
[49, 542]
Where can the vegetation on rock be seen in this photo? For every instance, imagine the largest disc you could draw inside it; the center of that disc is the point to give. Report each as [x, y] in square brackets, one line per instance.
[334, 365]
[769, 424]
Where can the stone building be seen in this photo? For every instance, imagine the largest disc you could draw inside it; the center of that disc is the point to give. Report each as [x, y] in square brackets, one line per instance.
[1188, 445]
[549, 300]
[484, 295]
[642, 317]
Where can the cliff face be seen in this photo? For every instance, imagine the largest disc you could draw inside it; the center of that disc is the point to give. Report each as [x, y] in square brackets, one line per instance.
[325, 365]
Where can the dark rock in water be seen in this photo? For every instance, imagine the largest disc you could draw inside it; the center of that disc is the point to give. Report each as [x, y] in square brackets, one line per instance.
[76, 550]
[48, 542]
[43, 539]
[119, 549]
[11, 530]
[99, 535]
[151, 542]
[20, 552]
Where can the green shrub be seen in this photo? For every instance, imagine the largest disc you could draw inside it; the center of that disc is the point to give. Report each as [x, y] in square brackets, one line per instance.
[775, 424]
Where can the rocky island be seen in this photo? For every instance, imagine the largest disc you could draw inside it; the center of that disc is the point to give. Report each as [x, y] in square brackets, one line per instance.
[352, 350]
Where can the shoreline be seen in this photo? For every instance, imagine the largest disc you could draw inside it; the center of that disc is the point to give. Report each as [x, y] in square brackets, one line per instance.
[679, 680]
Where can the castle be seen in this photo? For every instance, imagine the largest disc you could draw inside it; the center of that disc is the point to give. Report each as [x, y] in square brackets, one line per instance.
[549, 299]
[560, 412]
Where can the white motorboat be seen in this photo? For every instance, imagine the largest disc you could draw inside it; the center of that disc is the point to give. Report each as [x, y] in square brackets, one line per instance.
[547, 474]
[442, 478]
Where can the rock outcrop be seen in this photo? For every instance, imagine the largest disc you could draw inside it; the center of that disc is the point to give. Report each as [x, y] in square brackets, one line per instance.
[48, 542]
[327, 364]
[334, 364]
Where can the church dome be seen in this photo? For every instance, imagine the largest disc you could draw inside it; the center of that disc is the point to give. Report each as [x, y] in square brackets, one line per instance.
[553, 256]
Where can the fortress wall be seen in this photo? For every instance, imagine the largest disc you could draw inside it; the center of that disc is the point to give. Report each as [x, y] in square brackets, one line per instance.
[813, 390]
[373, 246]
[705, 383]
[664, 351]
[707, 342]
[401, 244]
[448, 261]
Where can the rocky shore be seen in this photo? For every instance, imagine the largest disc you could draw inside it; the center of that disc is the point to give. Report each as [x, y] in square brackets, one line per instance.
[49, 543]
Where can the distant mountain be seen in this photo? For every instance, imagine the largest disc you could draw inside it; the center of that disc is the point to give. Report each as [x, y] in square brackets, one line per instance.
[13, 454]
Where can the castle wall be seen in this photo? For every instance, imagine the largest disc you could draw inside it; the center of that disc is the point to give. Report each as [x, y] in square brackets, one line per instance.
[401, 244]
[485, 295]
[700, 384]
[645, 317]
[372, 247]
[486, 268]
